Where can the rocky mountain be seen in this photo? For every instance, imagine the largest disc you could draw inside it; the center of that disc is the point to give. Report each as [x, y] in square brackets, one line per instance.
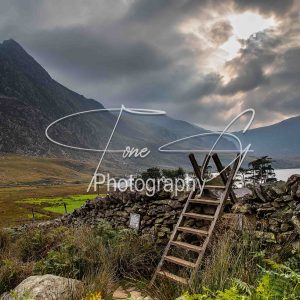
[30, 100]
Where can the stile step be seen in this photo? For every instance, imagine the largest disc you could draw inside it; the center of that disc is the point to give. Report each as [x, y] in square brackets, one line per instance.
[215, 187]
[187, 246]
[193, 231]
[198, 216]
[179, 261]
[206, 201]
[173, 277]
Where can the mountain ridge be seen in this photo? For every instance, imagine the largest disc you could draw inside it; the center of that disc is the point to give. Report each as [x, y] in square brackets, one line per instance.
[279, 139]
[30, 88]
[25, 86]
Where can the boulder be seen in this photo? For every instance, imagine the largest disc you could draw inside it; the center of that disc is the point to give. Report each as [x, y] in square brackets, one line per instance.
[293, 186]
[243, 194]
[274, 190]
[46, 287]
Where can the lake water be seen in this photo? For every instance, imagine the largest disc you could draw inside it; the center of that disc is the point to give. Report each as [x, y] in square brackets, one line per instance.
[284, 174]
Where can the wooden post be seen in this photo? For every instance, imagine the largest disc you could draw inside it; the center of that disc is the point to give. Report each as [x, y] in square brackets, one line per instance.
[196, 166]
[33, 218]
[98, 188]
[223, 175]
[65, 206]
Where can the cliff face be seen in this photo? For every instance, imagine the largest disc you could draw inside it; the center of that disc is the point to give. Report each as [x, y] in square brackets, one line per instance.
[22, 77]
[31, 100]
[23, 129]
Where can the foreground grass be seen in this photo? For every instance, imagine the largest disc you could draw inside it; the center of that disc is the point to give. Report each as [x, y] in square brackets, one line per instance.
[104, 258]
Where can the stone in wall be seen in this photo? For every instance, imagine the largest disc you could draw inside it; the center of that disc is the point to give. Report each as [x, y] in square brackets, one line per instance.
[272, 209]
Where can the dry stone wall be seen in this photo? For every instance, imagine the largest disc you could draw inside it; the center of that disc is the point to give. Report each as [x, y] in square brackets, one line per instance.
[158, 214]
[273, 210]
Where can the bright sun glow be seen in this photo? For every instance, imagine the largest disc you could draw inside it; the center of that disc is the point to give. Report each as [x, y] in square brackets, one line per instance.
[248, 23]
[244, 25]
[231, 47]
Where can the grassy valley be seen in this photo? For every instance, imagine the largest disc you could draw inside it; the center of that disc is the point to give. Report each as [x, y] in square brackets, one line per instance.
[41, 184]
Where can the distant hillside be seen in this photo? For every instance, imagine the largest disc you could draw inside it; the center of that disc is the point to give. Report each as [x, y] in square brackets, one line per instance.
[280, 139]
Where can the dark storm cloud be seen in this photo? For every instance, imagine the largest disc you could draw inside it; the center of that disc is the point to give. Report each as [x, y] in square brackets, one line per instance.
[250, 75]
[221, 32]
[290, 69]
[249, 66]
[141, 53]
[164, 9]
[265, 6]
[280, 96]
[203, 87]
[97, 55]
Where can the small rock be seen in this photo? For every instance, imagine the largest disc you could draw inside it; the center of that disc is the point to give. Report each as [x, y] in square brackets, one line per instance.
[120, 293]
[284, 227]
[266, 236]
[242, 208]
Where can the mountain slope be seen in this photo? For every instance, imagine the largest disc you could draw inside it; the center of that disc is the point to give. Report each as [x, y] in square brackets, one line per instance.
[279, 140]
[31, 100]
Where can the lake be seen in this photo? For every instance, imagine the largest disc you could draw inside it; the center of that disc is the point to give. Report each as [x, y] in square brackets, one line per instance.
[284, 174]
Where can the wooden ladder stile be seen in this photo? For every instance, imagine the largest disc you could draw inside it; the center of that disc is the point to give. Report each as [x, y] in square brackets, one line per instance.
[185, 214]
[223, 175]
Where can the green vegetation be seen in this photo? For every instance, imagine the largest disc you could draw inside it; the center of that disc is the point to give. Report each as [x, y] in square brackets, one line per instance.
[101, 257]
[279, 282]
[238, 270]
[25, 177]
[56, 204]
[155, 173]
[235, 269]
[38, 216]
[14, 211]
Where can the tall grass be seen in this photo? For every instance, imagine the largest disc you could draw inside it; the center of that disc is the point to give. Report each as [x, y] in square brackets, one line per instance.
[102, 257]
[233, 256]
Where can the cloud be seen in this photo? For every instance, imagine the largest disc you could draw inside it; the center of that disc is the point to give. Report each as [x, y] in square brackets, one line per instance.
[165, 54]
[280, 63]
[248, 68]
[162, 10]
[278, 7]
[221, 32]
[95, 55]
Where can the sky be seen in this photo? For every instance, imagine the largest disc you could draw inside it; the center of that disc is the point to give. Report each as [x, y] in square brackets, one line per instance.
[203, 61]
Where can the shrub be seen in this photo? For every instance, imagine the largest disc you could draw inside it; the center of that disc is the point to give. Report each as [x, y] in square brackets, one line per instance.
[12, 272]
[34, 244]
[66, 262]
[280, 282]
